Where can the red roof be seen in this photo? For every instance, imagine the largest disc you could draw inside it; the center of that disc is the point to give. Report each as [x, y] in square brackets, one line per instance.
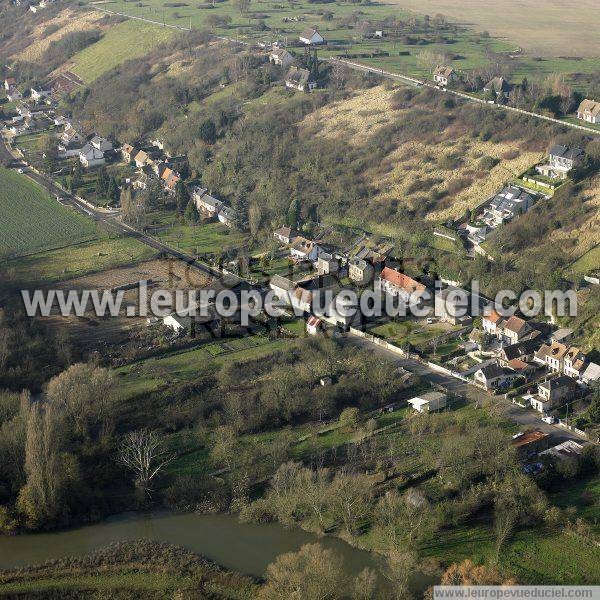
[400, 280]
[313, 321]
[529, 438]
[494, 317]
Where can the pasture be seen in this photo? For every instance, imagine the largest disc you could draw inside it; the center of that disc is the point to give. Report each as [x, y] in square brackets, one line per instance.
[32, 221]
[546, 27]
[125, 41]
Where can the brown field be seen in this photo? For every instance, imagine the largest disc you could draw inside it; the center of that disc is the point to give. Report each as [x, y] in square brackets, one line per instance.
[91, 330]
[68, 21]
[415, 161]
[544, 27]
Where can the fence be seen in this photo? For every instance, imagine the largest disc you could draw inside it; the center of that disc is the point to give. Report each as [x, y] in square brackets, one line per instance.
[379, 342]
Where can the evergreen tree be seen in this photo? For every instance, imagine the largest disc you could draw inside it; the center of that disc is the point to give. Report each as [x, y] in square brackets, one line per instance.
[293, 215]
[182, 197]
[191, 214]
[102, 183]
[77, 176]
[113, 192]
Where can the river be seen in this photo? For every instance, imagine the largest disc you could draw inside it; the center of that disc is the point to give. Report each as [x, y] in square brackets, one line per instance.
[247, 548]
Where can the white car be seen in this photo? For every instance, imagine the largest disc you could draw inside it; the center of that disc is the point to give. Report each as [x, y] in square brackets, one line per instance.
[549, 419]
[430, 320]
[19, 170]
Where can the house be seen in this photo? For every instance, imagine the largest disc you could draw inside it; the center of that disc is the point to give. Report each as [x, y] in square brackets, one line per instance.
[285, 234]
[281, 57]
[311, 37]
[499, 87]
[196, 316]
[313, 325]
[493, 323]
[360, 271]
[9, 83]
[552, 356]
[589, 111]
[444, 75]
[300, 79]
[170, 179]
[429, 402]
[515, 329]
[227, 216]
[523, 351]
[552, 393]
[128, 152]
[70, 137]
[205, 203]
[568, 449]
[574, 363]
[493, 376]
[142, 182]
[450, 308]
[530, 443]
[506, 205]
[327, 263]
[101, 144]
[398, 284]
[591, 374]
[304, 249]
[13, 95]
[141, 159]
[89, 156]
[39, 95]
[561, 159]
[562, 335]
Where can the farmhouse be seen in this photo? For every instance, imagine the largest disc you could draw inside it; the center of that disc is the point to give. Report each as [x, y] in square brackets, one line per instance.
[499, 87]
[300, 79]
[281, 57]
[311, 37]
[444, 75]
[205, 203]
[589, 111]
[429, 402]
[284, 234]
[89, 156]
[561, 160]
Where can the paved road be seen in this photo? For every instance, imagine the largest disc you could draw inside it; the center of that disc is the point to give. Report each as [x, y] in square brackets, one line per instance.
[108, 219]
[523, 417]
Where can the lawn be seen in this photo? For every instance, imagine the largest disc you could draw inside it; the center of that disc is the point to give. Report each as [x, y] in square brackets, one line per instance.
[587, 263]
[208, 238]
[78, 260]
[401, 332]
[125, 41]
[33, 221]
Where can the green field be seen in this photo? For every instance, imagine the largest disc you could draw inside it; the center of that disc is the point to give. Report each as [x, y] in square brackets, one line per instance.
[125, 41]
[587, 263]
[33, 221]
[465, 48]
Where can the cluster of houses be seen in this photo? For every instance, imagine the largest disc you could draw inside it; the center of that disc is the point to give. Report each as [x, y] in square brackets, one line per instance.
[153, 164]
[91, 152]
[526, 349]
[297, 78]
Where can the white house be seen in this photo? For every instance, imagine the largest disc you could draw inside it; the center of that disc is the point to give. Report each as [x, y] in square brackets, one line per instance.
[561, 159]
[91, 157]
[304, 249]
[300, 79]
[398, 284]
[574, 363]
[285, 234]
[591, 373]
[311, 37]
[101, 144]
[444, 75]
[429, 402]
[38, 94]
[360, 271]
[552, 393]
[227, 215]
[205, 203]
[552, 356]
[494, 376]
[589, 111]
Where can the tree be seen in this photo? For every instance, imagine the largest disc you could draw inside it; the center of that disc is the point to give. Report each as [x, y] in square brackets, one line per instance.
[102, 182]
[349, 418]
[242, 6]
[191, 214]
[468, 573]
[113, 192]
[76, 177]
[134, 212]
[207, 132]
[182, 197]
[293, 214]
[351, 496]
[143, 453]
[50, 152]
[313, 572]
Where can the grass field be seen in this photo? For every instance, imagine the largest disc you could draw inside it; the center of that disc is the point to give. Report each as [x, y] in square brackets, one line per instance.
[587, 263]
[33, 221]
[76, 261]
[125, 41]
[525, 22]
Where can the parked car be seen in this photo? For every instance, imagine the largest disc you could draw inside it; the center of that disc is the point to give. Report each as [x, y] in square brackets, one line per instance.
[549, 419]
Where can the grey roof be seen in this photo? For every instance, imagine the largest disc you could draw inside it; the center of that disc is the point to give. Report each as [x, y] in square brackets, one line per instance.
[308, 33]
[565, 152]
[358, 262]
[498, 84]
[511, 197]
[325, 256]
[558, 382]
[298, 77]
[491, 371]
[282, 282]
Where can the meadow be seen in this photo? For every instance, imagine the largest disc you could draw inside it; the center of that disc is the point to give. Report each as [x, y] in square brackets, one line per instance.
[125, 41]
[32, 221]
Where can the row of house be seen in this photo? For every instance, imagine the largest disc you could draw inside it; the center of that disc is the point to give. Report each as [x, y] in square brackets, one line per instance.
[152, 166]
[210, 207]
[571, 361]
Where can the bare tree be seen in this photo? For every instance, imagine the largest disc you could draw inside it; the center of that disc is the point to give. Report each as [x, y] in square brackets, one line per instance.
[143, 452]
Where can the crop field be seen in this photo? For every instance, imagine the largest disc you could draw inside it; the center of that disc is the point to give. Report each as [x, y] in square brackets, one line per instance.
[524, 22]
[125, 41]
[33, 221]
[466, 48]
